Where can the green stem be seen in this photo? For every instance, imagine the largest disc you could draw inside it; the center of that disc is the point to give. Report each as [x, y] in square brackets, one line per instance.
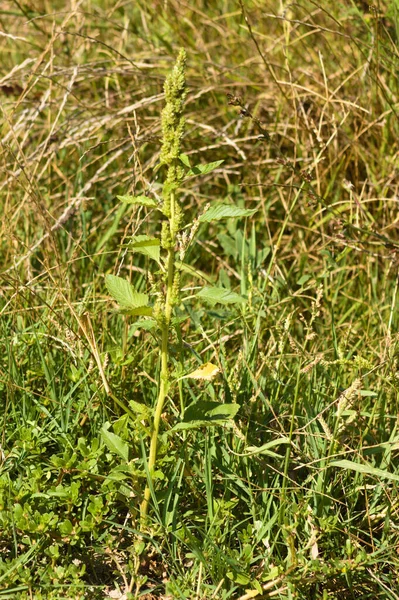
[164, 378]
[288, 455]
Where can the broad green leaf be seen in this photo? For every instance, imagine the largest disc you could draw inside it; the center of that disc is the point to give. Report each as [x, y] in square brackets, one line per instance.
[365, 469]
[149, 246]
[138, 200]
[206, 413]
[207, 410]
[215, 295]
[115, 443]
[204, 169]
[225, 211]
[126, 296]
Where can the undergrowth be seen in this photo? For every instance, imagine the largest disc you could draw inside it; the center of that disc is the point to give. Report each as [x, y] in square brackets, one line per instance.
[277, 467]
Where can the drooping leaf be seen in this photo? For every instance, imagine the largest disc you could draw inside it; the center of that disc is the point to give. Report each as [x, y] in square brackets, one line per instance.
[126, 296]
[138, 200]
[204, 169]
[144, 244]
[215, 295]
[225, 211]
[115, 443]
[366, 469]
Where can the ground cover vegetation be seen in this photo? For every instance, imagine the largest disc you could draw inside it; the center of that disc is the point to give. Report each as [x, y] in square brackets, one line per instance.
[198, 305]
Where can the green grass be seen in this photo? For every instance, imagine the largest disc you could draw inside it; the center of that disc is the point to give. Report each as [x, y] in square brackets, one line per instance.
[296, 497]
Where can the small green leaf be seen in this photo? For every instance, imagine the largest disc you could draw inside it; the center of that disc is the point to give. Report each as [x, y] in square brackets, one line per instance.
[365, 469]
[65, 527]
[138, 200]
[115, 443]
[185, 160]
[204, 169]
[215, 295]
[240, 578]
[140, 409]
[149, 246]
[302, 280]
[225, 211]
[145, 324]
[126, 296]
[258, 588]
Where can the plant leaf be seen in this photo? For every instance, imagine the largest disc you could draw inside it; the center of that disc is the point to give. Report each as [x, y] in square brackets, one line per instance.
[141, 410]
[225, 211]
[144, 244]
[265, 448]
[185, 159]
[215, 295]
[145, 324]
[207, 410]
[203, 169]
[205, 413]
[207, 372]
[115, 443]
[366, 469]
[138, 200]
[140, 311]
[194, 272]
[126, 296]
[183, 426]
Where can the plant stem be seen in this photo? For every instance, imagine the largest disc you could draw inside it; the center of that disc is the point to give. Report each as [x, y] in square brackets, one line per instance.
[164, 377]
